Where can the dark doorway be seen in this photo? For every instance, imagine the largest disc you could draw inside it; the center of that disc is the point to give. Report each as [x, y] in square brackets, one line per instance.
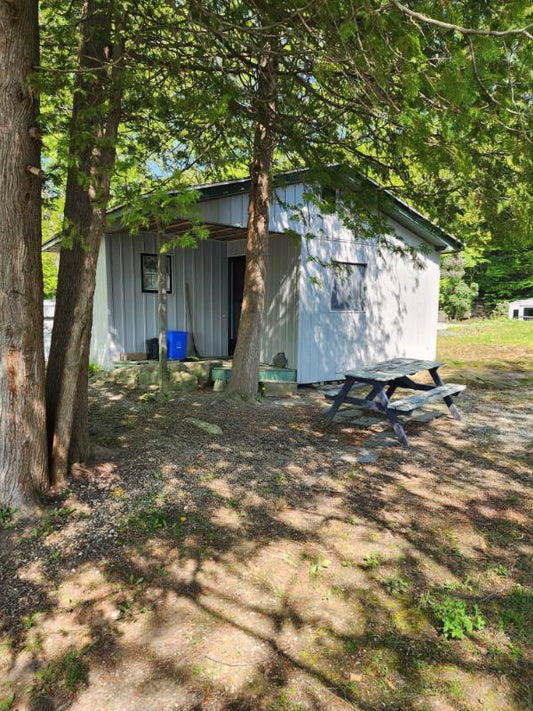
[237, 266]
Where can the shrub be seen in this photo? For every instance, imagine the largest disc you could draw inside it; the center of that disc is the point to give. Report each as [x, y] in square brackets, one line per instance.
[456, 296]
[500, 310]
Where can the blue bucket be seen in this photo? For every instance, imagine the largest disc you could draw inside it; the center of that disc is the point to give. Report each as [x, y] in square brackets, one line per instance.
[177, 344]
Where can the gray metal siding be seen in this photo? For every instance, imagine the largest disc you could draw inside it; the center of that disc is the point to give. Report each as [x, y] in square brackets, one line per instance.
[134, 314]
[400, 314]
[280, 322]
[233, 210]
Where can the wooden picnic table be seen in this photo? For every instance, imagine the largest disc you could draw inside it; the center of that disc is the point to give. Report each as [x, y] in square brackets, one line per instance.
[383, 379]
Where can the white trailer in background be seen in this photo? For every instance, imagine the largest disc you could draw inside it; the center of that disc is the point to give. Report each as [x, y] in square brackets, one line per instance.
[521, 309]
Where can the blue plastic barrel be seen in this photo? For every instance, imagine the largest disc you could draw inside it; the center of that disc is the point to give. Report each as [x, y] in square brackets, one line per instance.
[177, 344]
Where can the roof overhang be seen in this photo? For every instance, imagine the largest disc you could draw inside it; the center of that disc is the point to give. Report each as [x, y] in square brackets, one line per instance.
[392, 206]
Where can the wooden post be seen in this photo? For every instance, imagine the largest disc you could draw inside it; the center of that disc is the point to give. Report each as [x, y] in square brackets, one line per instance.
[164, 377]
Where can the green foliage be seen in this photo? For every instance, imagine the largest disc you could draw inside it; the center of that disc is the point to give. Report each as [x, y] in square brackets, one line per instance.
[456, 296]
[438, 116]
[397, 585]
[49, 261]
[94, 369]
[67, 672]
[500, 310]
[151, 519]
[457, 619]
[29, 620]
[504, 275]
[6, 516]
[317, 567]
[372, 560]
[516, 613]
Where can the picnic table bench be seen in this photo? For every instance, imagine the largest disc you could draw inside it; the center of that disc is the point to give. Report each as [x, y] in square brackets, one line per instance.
[384, 379]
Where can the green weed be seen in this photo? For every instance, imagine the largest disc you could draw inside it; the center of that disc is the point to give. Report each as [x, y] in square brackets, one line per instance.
[318, 566]
[67, 672]
[516, 613]
[150, 520]
[457, 619]
[372, 560]
[6, 516]
[397, 585]
[499, 569]
[29, 620]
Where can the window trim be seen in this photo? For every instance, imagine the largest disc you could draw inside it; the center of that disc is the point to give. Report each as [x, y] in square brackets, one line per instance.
[336, 262]
[169, 272]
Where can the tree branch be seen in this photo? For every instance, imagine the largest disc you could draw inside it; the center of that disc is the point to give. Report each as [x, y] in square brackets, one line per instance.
[458, 28]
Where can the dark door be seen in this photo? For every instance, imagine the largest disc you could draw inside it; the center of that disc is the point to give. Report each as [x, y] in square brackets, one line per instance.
[237, 267]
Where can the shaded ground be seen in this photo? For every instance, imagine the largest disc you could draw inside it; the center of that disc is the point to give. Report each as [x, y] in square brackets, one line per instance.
[266, 569]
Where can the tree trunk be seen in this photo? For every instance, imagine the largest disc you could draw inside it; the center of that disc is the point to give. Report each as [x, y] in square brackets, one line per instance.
[23, 459]
[162, 312]
[93, 133]
[246, 360]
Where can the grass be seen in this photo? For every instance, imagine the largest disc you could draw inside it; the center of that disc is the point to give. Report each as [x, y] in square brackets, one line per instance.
[59, 680]
[496, 343]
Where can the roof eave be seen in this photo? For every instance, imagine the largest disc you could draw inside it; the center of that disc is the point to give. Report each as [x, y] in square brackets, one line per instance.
[424, 228]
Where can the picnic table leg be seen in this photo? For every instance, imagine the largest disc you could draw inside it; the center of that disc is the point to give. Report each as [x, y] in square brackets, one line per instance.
[448, 399]
[339, 400]
[393, 418]
[391, 390]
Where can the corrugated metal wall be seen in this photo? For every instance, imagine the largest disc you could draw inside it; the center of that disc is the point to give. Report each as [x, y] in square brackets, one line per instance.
[281, 308]
[280, 325]
[233, 210]
[400, 315]
[134, 313]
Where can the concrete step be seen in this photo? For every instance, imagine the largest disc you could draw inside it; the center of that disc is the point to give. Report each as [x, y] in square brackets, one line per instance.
[266, 373]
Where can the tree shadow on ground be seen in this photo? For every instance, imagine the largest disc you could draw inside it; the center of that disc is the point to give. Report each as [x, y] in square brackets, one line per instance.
[260, 572]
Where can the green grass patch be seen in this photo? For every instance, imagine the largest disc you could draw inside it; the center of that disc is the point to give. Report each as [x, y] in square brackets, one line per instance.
[7, 702]
[498, 343]
[515, 614]
[60, 678]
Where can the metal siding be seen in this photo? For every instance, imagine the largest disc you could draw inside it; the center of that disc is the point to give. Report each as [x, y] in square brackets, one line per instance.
[101, 335]
[280, 330]
[280, 322]
[134, 314]
[400, 316]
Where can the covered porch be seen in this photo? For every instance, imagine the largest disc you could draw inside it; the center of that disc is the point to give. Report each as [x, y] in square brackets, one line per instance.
[205, 291]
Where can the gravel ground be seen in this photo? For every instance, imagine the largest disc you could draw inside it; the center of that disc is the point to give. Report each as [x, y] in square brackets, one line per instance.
[278, 565]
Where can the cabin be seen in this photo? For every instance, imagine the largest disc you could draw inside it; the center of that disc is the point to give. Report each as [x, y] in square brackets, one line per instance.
[333, 301]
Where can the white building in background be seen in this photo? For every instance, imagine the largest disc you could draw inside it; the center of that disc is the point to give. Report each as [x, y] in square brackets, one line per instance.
[49, 308]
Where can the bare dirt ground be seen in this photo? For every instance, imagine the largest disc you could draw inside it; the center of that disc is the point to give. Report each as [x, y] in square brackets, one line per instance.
[271, 568]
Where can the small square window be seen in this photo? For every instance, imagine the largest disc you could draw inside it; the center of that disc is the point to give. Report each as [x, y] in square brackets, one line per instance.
[149, 274]
[348, 291]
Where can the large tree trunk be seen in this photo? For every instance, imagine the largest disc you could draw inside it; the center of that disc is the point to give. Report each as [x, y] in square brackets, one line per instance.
[23, 459]
[93, 133]
[246, 360]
